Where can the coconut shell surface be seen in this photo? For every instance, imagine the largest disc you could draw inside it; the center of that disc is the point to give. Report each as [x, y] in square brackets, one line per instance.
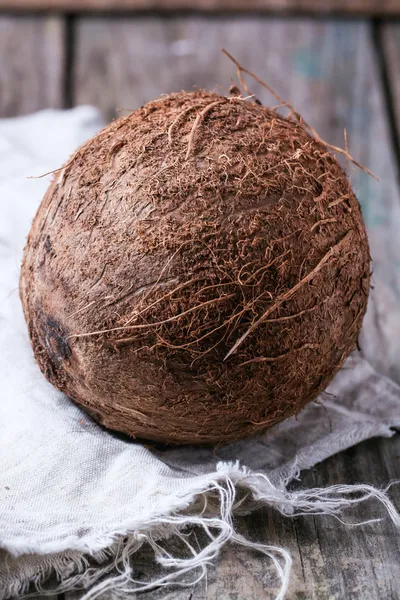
[197, 272]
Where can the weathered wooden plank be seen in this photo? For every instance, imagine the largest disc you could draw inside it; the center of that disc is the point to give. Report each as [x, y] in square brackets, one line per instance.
[32, 63]
[345, 562]
[390, 36]
[329, 71]
[322, 6]
[330, 561]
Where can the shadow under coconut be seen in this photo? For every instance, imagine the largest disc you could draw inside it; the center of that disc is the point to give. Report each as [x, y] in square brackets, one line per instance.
[338, 420]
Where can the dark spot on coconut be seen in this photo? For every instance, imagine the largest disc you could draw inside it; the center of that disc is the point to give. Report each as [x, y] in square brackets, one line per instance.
[56, 340]
[51, 371]
[48, 362]
[47, 244]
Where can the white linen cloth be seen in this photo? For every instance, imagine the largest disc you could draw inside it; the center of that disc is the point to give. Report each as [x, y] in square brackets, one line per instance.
[70, 490]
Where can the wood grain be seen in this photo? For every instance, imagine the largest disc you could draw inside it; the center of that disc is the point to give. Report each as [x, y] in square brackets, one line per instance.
[32, 63]
[320, 6]
[331, 561]
[390, 36]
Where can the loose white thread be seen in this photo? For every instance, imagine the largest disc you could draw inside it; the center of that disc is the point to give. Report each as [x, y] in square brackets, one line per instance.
[217, 504]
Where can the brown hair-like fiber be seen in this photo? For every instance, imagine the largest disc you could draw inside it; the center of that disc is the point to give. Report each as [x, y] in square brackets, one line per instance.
[197, 272]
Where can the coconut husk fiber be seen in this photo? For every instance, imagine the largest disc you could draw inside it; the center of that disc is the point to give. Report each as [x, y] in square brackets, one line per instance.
[197, 272]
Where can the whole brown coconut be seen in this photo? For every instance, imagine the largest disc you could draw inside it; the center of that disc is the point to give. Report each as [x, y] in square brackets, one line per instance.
[197, 272]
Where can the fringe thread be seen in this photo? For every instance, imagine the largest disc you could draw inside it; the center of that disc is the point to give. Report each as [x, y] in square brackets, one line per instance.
[212, 509]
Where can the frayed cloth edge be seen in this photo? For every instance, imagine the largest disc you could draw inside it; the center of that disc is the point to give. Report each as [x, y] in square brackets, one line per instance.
[213, 502]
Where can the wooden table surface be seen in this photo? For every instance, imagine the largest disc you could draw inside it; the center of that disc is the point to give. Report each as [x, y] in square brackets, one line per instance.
[338, 73]
[364, 7]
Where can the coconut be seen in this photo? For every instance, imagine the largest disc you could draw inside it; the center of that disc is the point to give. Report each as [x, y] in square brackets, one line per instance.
[197, 272]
